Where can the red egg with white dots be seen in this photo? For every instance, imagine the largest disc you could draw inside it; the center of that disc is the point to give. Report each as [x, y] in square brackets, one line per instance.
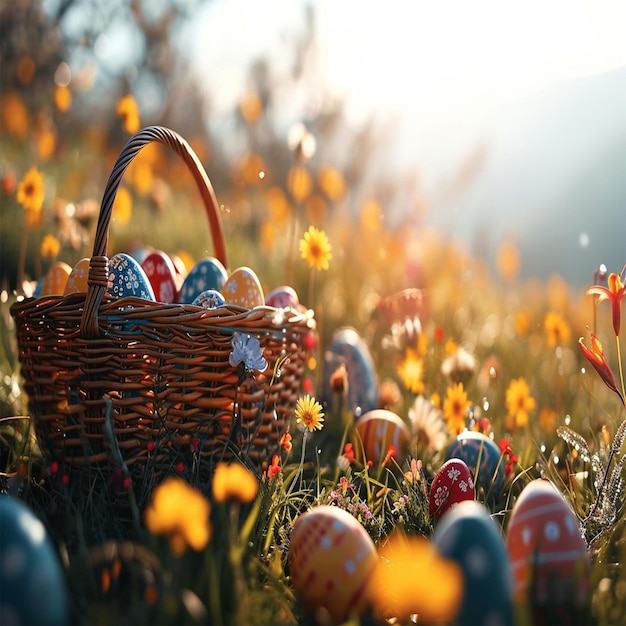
[331, 559]
[161, 273]
[452, 484]
[549, 557]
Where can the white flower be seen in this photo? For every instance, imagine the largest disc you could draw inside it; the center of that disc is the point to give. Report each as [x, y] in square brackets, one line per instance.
[247, 350]
[428, 426]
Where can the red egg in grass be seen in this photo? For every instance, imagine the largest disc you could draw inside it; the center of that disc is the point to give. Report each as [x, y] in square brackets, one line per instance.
[452, 484]
[331, 559]
[161, 273]
[549, 557]
[377, 431]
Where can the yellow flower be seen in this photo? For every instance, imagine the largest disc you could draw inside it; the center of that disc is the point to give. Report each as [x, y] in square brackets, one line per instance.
[50, 247]
[331, 182]
[508, 260]
[547, 420]
[410, 563]
[128, 110]
[234, 482]
[557, 330]
[14, 114]
[455, 406]
[315, 248]
[519, 402]
[299, 183]
[62, 98]
[309, 413]
[251, 107]
[180, 512]
[411, 372]
[30, 190]
[122, 206]
[278, 206]
[522, 324]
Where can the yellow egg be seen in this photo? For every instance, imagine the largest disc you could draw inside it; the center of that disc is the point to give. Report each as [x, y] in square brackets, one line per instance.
[243, 288]
[56, 279]
[331, 559]
[77, 282]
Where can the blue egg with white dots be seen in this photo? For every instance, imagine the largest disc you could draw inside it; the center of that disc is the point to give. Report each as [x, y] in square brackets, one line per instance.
[208, 273]
[483, 456]
[32, 582]
[469, 536]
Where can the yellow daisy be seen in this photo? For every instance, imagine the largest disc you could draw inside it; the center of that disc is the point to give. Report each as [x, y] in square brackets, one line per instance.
[128, 110]
[519, 402]
[411, 372]
[315, 248]
[309, 413]
[50, 247]
[455, 407]
[30, 190]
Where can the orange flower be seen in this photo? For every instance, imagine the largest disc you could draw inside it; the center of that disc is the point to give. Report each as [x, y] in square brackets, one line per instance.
[595, 356]
[285, 442]
[557, 329]
[274, 469]
[614, 294]
[50, 247]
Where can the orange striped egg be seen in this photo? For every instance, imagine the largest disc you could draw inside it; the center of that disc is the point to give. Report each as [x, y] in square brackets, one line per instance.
[378, 430]
[548, 555]
[331, 558]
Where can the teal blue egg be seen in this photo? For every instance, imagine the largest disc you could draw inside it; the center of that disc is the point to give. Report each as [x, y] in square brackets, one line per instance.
[348, 348]
[127, 278]
[482, 455]
[208, 273]
[468, 535]
[33, 587]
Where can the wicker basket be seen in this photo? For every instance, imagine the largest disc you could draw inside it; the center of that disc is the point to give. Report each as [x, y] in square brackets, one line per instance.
[164, 368]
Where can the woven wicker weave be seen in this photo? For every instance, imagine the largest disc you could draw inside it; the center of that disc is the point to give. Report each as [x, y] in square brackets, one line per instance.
[165, 367]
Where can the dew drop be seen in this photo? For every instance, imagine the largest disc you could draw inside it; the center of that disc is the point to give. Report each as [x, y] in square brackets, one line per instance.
[555, 459]
[492, 372]
[542, 447]
[568, 419]
[261, 175]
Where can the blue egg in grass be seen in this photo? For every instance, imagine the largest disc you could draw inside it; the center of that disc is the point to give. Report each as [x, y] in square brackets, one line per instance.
[32, 582]
[467, 535]
[482, 455]
[127, 278]
[349, 349]
[208, 273]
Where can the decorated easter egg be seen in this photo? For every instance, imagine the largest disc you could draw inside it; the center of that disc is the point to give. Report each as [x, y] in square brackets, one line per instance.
[207, 273]
[127, 278]
[348, 348]
[56, 279]
[377, 431]
[282, 298]
[162, 276]
[549, 558]
[77, 281]
[482, 455]
[181, 270]
[452, 484]
[468, 535]
[243, 288]
[331, 558]
[209, 299]
[32, 581]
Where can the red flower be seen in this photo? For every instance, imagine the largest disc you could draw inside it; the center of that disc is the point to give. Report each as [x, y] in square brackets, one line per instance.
[595, 356]
[391, 453]
[510, 458]
[348, 452]
[285, 442]
[614, 293]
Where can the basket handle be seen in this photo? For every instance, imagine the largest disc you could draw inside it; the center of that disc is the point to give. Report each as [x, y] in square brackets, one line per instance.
[98, 265]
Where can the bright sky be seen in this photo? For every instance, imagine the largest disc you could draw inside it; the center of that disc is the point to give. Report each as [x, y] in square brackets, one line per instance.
[437, 65]
[398, 53]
